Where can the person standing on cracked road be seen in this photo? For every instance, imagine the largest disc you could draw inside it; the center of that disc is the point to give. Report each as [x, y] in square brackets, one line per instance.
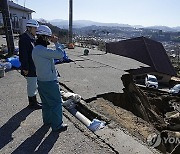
[26, 45]
[48, 86]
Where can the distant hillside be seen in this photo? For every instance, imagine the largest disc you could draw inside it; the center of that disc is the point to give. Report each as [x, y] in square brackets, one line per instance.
[85, 23]
[163, 28]
[61, 33]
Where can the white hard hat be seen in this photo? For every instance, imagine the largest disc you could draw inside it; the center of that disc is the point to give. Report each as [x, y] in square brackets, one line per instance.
[32, 23]
[44, 30]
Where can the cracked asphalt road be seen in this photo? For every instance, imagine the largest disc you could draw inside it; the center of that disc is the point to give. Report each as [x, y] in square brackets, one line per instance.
[21, 129]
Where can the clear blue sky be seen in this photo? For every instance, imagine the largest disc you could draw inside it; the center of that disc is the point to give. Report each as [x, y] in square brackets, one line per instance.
[133, 12]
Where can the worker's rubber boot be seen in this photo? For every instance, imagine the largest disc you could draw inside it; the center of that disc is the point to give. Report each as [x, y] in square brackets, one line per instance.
[33, 103]
[62, 128]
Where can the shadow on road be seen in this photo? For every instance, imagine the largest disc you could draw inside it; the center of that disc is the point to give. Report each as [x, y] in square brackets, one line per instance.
[48, 143]
[12, 124]
[33, 144]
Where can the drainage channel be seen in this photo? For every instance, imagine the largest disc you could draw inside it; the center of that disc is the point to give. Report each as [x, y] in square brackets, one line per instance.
[84, 109]
[86, 115]
[73, 103]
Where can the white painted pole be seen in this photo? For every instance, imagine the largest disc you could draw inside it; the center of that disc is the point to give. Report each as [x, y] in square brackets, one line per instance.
[81, 117]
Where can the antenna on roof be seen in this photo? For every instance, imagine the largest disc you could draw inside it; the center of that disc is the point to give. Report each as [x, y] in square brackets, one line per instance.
[24, 3]
[24, 7]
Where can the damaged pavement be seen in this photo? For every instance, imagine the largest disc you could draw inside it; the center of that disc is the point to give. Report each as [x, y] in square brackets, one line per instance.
[106, 88]
[97, 79]
[108, 93]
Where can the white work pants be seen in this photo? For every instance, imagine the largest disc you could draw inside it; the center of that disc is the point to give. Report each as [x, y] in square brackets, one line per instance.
[31, 86]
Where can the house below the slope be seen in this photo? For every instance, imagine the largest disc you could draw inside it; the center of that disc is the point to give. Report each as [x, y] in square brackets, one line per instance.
[147, 51]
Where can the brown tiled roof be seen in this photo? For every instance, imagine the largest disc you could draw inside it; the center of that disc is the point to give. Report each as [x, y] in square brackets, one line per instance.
[145, 50]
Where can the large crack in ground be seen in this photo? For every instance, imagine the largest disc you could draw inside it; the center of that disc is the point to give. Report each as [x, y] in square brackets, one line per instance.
[141, 112]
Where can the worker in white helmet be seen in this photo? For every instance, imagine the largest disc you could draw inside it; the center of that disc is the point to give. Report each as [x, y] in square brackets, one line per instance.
[26, 45]
[48, 86]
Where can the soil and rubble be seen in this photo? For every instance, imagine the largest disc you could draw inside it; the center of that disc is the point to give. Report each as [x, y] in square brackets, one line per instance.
[142, 112]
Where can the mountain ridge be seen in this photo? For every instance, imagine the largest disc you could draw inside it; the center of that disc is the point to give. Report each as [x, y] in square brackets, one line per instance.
[84, 23]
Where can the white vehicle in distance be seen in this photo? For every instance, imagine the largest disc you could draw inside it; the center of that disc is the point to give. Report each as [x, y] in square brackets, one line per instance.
[175, 90]
[151, 81]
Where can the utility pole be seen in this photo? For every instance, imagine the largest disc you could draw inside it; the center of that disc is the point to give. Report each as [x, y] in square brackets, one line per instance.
[178, 57]
[70, 20]
[7, 26]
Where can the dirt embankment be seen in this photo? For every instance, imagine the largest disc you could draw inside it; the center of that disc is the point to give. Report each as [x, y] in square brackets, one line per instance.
[143, 112]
